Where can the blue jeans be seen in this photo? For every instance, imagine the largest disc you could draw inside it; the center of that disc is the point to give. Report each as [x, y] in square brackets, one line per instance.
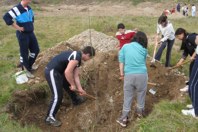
[169, 44]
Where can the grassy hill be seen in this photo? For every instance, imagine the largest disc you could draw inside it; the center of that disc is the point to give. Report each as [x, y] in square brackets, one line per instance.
[52, 29]
[95, 1]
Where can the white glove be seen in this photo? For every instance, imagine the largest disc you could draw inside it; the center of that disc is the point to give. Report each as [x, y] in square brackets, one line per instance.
[196, 50]
[153, 60]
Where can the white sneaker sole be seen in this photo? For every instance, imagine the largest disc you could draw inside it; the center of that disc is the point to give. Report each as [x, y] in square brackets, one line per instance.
[188, 112]
[189, 106]
[123, 125]
[185, 89]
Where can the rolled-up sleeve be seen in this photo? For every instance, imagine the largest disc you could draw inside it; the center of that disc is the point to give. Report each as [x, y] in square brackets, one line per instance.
[121, 55]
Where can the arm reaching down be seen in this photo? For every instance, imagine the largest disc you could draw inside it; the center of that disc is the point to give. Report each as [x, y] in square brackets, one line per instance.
[69, 73]
[77, 81]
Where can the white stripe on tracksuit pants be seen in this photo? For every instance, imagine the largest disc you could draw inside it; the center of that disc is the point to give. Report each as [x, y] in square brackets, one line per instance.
[57, 82]
[193, 86]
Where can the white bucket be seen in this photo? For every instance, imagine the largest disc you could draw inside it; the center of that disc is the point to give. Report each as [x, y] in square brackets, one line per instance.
[21, 77]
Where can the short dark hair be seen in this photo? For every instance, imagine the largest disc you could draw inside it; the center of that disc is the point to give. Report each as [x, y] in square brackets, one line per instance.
[89, 50]
[141, 38]
[121, 25]
[162, 18]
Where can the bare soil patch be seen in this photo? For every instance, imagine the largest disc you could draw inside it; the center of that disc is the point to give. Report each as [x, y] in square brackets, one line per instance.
[101, 79]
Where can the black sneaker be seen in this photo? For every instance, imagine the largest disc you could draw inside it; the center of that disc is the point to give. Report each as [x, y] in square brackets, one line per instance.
[52, 121]
[79, 100]
[140, 114]
[187, 82]
[19, 65]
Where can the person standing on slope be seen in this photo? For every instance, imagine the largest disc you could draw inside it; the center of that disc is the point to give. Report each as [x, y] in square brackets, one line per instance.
[24, 25]
[193, 85]
[124, 36]
[167, 40]
[133, 70]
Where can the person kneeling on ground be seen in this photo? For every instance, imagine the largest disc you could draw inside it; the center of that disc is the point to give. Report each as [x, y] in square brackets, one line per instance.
[188, 46]
[63, 72]
[133, 70]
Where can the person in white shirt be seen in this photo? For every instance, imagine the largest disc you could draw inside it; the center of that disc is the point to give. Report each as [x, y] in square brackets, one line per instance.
[168, 38]
[193, 10]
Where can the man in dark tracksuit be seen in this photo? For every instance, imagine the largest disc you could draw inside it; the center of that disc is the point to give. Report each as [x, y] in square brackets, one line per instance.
[24, 17]
[62, 71]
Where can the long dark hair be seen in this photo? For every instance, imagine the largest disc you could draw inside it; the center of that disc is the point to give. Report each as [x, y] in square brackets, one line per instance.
[180, 31]
[162, 18]
[141, 38]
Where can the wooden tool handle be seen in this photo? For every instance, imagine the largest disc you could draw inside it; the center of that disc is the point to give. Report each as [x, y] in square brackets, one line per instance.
[155, 48]
[180, 64]
[90, 96]
[87, 95]
[150, 83]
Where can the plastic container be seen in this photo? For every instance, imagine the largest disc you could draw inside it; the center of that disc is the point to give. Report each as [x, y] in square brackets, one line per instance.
[21, 77]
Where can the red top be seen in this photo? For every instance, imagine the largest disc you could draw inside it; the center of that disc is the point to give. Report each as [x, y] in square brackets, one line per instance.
[125, 38]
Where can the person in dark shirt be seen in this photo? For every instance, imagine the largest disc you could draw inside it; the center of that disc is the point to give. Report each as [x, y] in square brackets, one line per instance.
[63, 72]
[178, 7]
[188, 46]
[24, 19]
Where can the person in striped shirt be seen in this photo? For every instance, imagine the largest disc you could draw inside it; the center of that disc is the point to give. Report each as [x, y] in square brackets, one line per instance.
[23, 15]
[63, 72]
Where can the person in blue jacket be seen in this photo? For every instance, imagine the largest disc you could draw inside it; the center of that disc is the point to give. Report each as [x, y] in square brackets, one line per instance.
[132, 61]
[24, 19]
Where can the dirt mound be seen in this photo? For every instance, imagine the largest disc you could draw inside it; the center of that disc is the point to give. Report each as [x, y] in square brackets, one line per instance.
[100, 78]
[100, 41]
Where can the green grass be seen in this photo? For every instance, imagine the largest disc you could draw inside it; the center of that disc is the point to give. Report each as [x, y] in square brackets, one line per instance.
[167, 117]
[7, 125]
[52, 30]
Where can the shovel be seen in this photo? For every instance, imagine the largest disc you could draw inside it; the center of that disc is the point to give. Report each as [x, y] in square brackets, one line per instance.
[154, 84]
[179, 65]
[154, 52]
[153, 90]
